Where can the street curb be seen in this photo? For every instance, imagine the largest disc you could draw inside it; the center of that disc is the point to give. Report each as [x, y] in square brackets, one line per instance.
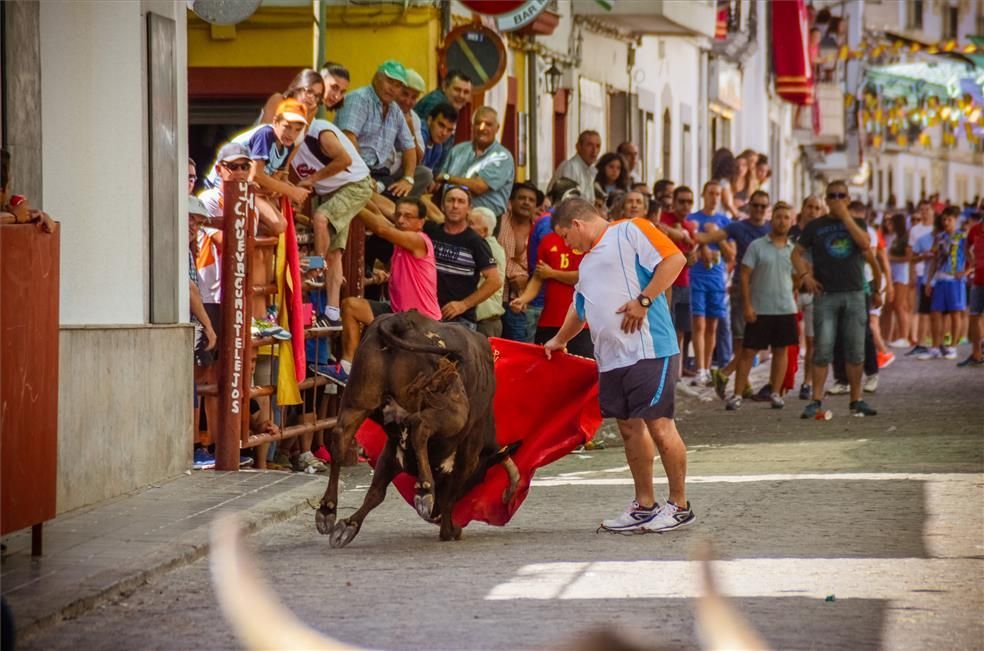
[194, 546]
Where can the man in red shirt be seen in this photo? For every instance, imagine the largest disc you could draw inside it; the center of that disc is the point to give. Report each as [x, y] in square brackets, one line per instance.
[676, 226]
[975, 251]
[557, 272]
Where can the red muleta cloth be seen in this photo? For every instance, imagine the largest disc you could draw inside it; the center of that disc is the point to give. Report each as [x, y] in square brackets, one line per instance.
[551, 406]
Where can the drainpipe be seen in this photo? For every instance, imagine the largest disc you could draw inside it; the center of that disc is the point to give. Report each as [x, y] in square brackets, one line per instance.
[319, 55]
[532, 117]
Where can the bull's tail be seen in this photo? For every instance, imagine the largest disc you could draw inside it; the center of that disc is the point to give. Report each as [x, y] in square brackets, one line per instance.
[504, 456]
[393, 329]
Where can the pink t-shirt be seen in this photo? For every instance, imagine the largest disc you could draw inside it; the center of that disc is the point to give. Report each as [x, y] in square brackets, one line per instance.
[413, 281]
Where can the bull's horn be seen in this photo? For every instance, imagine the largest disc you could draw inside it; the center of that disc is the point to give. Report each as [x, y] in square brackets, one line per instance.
[254, 613]
[513, 473]
[719, 626]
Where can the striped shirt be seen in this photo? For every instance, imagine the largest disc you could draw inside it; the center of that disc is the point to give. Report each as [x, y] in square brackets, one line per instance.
[614, 272]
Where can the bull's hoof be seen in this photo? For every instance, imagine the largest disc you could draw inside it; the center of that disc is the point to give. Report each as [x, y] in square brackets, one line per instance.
[343, 533]
[424, 503]
[452, 533]
[324, 520]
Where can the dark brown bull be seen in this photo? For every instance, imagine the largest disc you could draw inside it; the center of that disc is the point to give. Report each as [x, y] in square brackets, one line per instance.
[432, 385]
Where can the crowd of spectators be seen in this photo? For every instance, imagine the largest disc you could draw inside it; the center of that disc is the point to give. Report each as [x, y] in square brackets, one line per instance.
[452, 233]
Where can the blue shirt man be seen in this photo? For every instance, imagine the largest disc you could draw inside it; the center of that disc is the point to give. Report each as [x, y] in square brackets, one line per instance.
[374, 122]
[483, 165]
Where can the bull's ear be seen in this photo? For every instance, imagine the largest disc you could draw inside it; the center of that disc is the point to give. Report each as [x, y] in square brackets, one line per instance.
[719, 626]
[253, 612]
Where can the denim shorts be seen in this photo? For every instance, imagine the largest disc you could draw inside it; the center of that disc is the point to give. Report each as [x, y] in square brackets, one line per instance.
[843, 312]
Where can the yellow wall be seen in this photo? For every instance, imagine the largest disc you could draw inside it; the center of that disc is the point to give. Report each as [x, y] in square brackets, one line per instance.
[361, 38]
[519, 72]
[273, 36]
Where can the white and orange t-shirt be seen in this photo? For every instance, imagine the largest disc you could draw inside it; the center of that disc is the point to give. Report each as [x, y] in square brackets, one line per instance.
[614, 272]
[209, 265]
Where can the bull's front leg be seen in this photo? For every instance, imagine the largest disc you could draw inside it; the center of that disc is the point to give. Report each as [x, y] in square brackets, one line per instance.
[349, 422]
[420, 433]
[387, 467]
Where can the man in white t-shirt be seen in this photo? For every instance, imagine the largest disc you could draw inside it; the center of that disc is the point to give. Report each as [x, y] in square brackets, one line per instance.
[922, 227]
[623, 277]
[329, 164]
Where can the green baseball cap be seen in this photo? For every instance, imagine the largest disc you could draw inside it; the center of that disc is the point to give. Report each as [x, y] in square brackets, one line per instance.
[415, 81]
[394, 70]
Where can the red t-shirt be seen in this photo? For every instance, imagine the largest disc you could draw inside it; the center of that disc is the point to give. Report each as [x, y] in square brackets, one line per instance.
[668, 218]
[557, 296]
[975, 239]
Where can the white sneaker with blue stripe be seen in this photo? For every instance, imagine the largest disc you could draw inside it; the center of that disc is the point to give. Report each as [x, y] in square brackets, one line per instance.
[631, 520]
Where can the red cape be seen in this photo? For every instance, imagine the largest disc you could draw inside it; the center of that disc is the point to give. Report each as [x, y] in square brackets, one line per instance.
[549, 405]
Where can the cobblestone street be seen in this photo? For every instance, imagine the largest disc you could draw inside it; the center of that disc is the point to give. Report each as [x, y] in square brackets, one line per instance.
[860, 533]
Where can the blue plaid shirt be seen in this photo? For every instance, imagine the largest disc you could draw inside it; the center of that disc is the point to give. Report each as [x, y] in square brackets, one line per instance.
[378, 137]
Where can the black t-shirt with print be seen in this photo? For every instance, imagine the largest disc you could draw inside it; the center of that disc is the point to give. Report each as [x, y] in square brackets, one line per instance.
[838, 262]
[460, 259]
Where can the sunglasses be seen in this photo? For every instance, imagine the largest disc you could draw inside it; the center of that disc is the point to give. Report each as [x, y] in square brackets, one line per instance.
[688, 201]
[837, 195]
[236, 167]
[763, 206]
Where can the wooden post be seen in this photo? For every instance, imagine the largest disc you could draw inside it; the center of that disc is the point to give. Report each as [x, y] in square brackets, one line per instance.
[235, 340]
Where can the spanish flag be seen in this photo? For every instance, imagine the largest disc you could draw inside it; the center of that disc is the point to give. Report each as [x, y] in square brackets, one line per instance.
[292, 357]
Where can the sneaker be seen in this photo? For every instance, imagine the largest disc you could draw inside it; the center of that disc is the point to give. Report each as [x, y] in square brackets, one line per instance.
[811, 409]
[687, 390]
[899, 343]
[669, 517]
[267, 328]
[733, 404]
[764, 394]
[327, 323]
[333, 372]
[806, 392]
[594, 444]
[323, 455]
[930, 354]
[309, 463]
[949, 353]
[871, 384]
[747, 393]
[917, 350]
[861, 408]
[203, 460]
[970, 362]
[720, 381]
[885, 359]
[777, 402]
[839, 389]
[631, 520]
[703, 379]
[245, 462]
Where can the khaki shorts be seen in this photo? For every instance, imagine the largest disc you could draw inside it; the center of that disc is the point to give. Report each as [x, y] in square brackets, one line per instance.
[340, 208]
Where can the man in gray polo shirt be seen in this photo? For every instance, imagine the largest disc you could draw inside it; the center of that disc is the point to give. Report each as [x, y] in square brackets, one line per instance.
[766, 282]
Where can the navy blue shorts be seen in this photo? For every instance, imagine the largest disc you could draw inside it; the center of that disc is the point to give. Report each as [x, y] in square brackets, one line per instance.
[646, 389]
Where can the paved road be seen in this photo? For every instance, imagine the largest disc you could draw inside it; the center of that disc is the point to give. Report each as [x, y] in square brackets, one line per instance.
[884, 513]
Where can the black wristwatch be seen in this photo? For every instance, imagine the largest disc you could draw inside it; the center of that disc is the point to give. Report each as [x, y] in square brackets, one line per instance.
[644, 301]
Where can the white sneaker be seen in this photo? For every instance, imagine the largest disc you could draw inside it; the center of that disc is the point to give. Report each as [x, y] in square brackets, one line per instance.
[932, 353]
[871, 384]
[899, 343]
[686, 390]
[949, 353]
[777, 401]
[838, 389]
[630, 520]
[670, 516]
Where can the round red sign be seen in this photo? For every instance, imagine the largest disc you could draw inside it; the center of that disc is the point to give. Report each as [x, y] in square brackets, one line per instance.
[493, 7]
